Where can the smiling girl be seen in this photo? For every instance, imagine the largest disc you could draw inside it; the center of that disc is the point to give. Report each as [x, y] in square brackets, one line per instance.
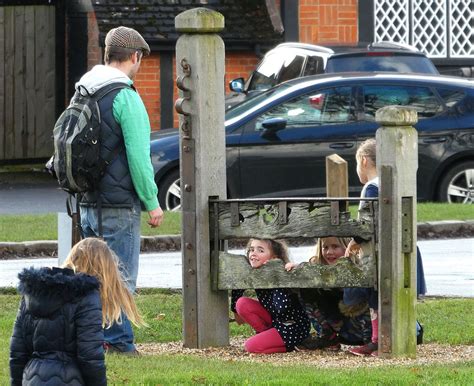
[276, 316]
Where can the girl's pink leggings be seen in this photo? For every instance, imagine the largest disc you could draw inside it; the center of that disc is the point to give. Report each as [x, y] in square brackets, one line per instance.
[267, 340]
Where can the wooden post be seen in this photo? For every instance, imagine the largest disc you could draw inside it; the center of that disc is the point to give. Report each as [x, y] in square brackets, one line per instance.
[200, 70]
[337, 178]
[397, 162]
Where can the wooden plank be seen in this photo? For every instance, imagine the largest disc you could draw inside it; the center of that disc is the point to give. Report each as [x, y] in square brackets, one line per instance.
[9, 82]
[2, 83]
[31, 102]
[305, 219]
[236, 273]
[19, 101]
[46, 82]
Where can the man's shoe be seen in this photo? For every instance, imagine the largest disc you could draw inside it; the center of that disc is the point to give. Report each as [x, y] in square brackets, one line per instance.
[111, 349]
[366, 349]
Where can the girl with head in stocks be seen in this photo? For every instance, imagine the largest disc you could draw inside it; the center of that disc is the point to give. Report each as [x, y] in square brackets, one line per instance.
[367, 172]
[333, 321]
[277, 316]
[58, 333]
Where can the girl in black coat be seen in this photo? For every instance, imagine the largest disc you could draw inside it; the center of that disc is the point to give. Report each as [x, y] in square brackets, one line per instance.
[58, 334]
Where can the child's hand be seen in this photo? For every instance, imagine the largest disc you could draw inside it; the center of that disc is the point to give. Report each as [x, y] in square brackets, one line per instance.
[352, 248]
[290, 266]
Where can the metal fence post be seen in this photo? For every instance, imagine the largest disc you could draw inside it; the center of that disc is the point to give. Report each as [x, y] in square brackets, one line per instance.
[397, 163]
[200, 70]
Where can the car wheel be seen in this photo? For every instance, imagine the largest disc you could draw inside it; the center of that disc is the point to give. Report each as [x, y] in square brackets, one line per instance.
[169, 192]
[457, 185]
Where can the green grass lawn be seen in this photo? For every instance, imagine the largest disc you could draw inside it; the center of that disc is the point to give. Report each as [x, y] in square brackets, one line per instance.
[44, 227]
[446, 321]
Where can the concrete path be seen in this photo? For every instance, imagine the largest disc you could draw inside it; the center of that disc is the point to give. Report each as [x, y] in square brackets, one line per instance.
[448, 264]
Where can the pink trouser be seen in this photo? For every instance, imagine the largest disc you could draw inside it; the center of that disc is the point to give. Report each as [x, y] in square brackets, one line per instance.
[267, 340]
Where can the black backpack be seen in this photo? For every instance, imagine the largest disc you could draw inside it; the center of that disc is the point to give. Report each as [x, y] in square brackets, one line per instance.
[76, 162]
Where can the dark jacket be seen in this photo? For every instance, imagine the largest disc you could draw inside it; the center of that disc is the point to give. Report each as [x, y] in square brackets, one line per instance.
[116, 186]
[58, 336]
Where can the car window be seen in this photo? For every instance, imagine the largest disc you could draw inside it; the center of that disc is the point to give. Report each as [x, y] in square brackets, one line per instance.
[314, 65]
[450, 97]
[265, 76]
[291, 68]
[394, 63]
[421, 98]
[321, 107]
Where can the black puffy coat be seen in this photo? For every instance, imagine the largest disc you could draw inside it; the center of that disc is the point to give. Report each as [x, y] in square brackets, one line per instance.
[58, 336]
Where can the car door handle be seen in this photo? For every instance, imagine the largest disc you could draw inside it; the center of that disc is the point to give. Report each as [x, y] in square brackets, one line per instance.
[341, 145]
[435, 140]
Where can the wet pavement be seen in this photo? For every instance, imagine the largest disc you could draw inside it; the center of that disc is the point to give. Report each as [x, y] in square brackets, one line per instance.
[448, 265]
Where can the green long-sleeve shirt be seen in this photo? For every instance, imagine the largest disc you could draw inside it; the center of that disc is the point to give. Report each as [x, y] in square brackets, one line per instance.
[130, 113]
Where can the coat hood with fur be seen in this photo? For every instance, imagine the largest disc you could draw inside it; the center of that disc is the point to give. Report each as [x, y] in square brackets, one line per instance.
[47, 289]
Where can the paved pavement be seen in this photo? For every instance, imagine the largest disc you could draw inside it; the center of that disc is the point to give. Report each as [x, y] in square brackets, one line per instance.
[448, 265]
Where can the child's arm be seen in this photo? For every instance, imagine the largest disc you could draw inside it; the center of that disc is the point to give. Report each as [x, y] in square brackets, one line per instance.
[352, 248]
[19, 355]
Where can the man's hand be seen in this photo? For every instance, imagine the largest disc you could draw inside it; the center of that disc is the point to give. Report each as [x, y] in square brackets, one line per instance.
[156, 217]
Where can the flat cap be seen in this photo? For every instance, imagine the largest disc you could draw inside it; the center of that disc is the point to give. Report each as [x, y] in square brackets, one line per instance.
[127, 38]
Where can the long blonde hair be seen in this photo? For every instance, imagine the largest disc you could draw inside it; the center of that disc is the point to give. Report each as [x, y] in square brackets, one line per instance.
[318, 257]
[93, 257]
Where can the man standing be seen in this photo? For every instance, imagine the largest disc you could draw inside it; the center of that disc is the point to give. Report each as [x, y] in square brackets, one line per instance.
[129, 177]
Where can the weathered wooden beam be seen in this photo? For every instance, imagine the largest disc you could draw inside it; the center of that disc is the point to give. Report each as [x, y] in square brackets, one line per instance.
[236, 273]
[397, 162]
[303, 219]
[200, 69]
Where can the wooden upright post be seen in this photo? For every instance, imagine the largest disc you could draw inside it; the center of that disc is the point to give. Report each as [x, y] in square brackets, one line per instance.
[397, 162]
[337, 184]
[200, 70]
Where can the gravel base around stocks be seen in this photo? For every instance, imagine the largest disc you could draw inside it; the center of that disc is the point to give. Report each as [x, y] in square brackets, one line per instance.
[426, 354]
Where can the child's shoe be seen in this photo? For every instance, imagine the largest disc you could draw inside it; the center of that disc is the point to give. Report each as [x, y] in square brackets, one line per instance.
[366, 349]
[317, 343]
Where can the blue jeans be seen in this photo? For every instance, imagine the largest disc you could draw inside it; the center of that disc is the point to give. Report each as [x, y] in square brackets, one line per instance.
[121, 231]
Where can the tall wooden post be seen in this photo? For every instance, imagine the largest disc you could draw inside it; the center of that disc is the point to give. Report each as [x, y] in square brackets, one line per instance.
[200, 70]
[397, 162]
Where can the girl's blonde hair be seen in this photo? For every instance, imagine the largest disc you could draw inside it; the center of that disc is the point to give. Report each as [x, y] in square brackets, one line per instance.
[367, 149]
[93, 257]
[318, 257]
[279, 248]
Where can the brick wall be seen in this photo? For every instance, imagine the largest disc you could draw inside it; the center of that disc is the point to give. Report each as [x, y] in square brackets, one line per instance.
[94, 52]
[147, 83]
[321, 21]
[328, 21]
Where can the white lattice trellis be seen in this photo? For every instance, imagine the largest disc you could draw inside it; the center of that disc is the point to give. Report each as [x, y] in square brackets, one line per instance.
[462, 22]
[391, 21]
[429, 27]
[440, 28]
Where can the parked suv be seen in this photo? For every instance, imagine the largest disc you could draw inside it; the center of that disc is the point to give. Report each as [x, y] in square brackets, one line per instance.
[277, 141]
[293, 60]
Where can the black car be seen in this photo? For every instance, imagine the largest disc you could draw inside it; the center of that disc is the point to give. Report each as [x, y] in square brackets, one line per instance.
[278, 140]
[294, 60]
